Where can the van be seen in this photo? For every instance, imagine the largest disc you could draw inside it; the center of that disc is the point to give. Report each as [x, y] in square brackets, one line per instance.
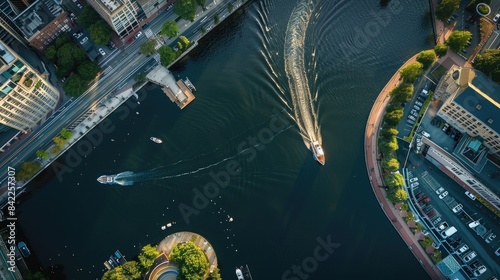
[426, 134]
[449, 232]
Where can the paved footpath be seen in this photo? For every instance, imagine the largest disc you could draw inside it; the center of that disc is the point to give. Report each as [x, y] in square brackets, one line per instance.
[376, 180]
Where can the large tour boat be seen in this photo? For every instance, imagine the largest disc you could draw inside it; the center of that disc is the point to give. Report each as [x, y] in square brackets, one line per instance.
[156, 140]
[107, 179]
[319, 155]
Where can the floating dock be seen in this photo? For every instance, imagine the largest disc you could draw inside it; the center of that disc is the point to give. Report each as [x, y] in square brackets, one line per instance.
[179, 92]
[115, 260]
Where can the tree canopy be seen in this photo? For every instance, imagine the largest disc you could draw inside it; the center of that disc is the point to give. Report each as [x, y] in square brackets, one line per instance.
[75, 86]
[192, 262]
[392, 118]
[216, 19]
[489, 63]
[390, 164]
[63, 39]
[402, 93]
[426, 58]
[394, 180]
[27, 170]
[411, 71]
[51, 53]
[471, 7]
[401, 195]
[186, 9]
[458, 40]
[184, 43]
[100, 32]
[87, 17]
[42, 154]
[147, 256]
[388, 132]
[169, 29]
[441, 50]
[88, 70]
[388, 147]
[148, 47]
[446, 8]
[167, 55]
[66, 134]
[214, 275]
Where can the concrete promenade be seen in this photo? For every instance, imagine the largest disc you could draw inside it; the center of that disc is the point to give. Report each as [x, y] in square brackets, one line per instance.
[376, 180]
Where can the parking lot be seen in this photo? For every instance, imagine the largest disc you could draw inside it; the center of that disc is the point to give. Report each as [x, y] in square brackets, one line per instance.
[441, 204]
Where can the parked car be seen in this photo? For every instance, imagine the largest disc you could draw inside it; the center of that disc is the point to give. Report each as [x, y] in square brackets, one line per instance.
[440, 190]
[445, 127]
[482, 269]
[414, 184]
[443, 226]
[416, 107]
[497, 252]
[490, 237]
[471, 196]
[462, 249]
[411, 118]
[139, 34]
[457, 208]
[102, 52]
[426, 134]
[496, 18]
[84, 40]
[474, 224]
[418, 103]
[467, 258]
[443, 195]
[410, 121]
[412, 180]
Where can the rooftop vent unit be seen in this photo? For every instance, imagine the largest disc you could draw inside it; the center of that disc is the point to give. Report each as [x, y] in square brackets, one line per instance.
[490, 120]
[479, 106]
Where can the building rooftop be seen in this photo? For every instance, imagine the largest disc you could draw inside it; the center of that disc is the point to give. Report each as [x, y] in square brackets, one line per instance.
[37, 16]
[481, 97]
[7, 57]
[111, 5]
[448, 265]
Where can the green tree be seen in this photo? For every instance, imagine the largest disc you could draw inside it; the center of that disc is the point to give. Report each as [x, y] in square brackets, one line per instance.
[140, 77]
[390, 164]
[184, 42]
[186, 9]
[65, 56]
[230, 7]
[87, 17]
[60, 142]
[392, 118]
[426, 58]
[51, 53]
[27, 170]
[203, 30]
[100, 32]
[132, 269]
[116, 273]
[55, 150]
[200, 3]
[147, 256]
[394, 180]
[483, 10]
[214, 275]
[78, 54]
[88, 70]
[216, 19]
[148, 47]
[74, 86]
[388, 133]
[402, 93]
[401, 195]
[458, 40]
[167, 55]
[63, 72]
[192, 262]
[388, 147]
[471, 7]
[170, 29]
[62, 40]
[66, 134]
[441, 50]
[411, 71]
[42, 154]
[446, 8]
[489, 63]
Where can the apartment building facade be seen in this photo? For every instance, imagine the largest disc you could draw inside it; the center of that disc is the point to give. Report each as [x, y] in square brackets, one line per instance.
[26, 97]
[121, 15]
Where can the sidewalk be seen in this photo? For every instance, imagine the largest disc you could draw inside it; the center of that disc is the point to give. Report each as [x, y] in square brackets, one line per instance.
[373, 167]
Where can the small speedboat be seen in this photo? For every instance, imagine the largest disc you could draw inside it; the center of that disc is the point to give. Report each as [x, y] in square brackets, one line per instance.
[156, 140]
[318, 152]
[239, 274]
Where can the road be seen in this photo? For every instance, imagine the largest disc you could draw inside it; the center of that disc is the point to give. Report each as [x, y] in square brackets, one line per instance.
[124, 66]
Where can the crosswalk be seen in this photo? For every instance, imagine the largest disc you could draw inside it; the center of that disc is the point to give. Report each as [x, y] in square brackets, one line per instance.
[149, 33]
[107, 70]
[156, 57]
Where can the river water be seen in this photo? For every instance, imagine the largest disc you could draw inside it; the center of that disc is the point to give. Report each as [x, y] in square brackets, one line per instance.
[247, 131]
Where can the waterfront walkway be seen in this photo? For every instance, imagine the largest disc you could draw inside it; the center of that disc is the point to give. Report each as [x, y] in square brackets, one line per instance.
[376, 180]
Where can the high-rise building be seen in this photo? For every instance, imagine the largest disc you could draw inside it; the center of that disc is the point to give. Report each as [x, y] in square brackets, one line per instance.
[471, 103]
[9, 32]
[26, 97]
[119, 14]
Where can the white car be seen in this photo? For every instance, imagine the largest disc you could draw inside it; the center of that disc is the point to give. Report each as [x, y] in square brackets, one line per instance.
[470, 256]
[413, 180]
[496, 18]
[457, 208]
[79, 5]
[463, 249]
[480, 270]
[139, 34]
[490, 237]
[443, 226]
[414, 184]
[102, 51]
[443, 195]
[440, 190]
[471, 196]
[84, 40]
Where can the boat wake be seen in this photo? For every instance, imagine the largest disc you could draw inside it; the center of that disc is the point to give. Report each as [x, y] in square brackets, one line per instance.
[128, 178]
[305, 115]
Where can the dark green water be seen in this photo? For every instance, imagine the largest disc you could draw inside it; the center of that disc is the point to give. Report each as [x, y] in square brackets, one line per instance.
[282, 201]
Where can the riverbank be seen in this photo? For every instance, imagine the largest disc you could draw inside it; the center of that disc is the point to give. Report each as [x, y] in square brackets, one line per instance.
[375, 174]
